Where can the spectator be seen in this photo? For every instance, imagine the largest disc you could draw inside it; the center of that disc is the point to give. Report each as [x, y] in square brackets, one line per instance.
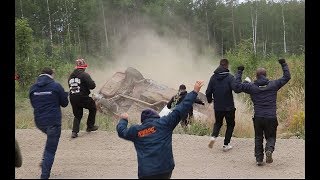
[263, 93]
[46, 97]
[153, 138]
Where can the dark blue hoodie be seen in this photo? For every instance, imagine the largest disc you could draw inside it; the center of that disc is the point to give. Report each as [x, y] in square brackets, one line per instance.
[263, 92]
[153, 138]
[220, 88]
[46, 97]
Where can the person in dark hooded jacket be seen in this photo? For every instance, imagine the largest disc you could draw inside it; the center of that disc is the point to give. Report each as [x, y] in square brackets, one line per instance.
[153, 138]
[80, 84]
[46, 97]
[219, 91]
[263, 93]
[177, 99]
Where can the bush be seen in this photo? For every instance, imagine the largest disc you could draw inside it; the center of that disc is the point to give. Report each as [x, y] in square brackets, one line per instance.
[297, 124]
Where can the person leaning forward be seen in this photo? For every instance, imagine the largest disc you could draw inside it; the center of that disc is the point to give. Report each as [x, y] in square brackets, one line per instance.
[263, 93]
[153, 138]
[46, 97]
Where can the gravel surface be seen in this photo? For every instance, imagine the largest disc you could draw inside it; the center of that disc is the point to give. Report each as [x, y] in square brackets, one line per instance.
[103, 155]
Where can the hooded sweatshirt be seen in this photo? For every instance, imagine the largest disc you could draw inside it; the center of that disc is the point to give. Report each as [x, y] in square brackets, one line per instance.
[153, 138]
[219, 90]
[46, 97]
[263, 92]
[80, 83]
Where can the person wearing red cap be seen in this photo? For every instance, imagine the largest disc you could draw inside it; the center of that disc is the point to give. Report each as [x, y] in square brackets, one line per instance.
[80, 84]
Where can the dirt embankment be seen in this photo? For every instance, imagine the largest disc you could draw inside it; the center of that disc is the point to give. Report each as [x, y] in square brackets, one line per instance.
[104, 155]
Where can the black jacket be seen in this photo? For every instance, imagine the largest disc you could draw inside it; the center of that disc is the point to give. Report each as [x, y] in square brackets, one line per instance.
[175, 100]
[220, 88]
[263, 92]
[80, 83]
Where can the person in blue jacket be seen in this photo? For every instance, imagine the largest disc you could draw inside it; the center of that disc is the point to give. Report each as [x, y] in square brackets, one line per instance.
[153, 138]
[46, 97]
[263, 93]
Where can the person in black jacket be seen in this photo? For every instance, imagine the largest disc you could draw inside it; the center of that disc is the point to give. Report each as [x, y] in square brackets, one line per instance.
[219, 91]
[80, 84]
[47, 97]
[175, 100]
[263, 93]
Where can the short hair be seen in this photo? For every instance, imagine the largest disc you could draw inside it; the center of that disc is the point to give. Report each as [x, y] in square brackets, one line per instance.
[224, 62]
[261, 71]
[182, 87]
[47, 70]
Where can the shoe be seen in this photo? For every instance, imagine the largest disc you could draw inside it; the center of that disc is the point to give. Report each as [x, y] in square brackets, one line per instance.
[226, 148]
[259, 163]
[94, 128]
[212, 140]
[74, 135]
[269, 157]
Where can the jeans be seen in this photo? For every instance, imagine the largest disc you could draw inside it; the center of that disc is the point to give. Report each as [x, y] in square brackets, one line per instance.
[266, 127]
[230, 116]
[78, 103]
[53, 133]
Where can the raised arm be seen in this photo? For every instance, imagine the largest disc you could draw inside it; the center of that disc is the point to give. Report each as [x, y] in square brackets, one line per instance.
[124, 132]
[238, 85]
[286, 74]
[182, 108]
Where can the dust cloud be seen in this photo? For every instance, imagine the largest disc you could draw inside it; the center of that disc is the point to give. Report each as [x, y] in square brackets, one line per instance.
[170, 61]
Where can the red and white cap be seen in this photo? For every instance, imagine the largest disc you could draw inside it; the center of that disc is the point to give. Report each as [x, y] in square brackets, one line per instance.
[81, 64]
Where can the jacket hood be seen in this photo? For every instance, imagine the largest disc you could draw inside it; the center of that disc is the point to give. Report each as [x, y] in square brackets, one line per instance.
[148, 113]
[76, 72]
[261, 81]
[221, 72]
[44, 79]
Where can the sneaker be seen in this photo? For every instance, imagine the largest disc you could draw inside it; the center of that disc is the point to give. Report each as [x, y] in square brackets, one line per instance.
[269, 157]
[226, 147]
[94, 128]
[74, 135]
[259, 163]
[212, 140]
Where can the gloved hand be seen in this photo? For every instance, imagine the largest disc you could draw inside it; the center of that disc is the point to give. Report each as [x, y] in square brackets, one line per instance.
[241, 68]
[281, 61]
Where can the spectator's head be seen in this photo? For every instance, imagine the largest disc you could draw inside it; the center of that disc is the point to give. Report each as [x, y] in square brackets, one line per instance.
[224, 63]
[81, 64]
[47, 71]
[149, 113]
[261, 72]
[182, 87]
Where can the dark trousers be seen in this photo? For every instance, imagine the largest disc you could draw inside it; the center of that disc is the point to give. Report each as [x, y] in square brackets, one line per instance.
[229, 116]
[266, 127]
[78, 103]
[158, 176]
[53, 135]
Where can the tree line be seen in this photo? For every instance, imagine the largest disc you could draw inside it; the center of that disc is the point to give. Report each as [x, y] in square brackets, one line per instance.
[70, 28]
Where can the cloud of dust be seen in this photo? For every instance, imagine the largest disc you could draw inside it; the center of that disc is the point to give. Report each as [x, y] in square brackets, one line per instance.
[170, 61]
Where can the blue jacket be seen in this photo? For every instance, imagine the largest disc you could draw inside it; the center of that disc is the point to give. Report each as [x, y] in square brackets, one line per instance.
[46, 97]
[153, 138]
[263, 92]
[220, 90]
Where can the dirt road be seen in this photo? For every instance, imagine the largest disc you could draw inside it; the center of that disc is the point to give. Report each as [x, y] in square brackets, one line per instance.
[104, 155]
